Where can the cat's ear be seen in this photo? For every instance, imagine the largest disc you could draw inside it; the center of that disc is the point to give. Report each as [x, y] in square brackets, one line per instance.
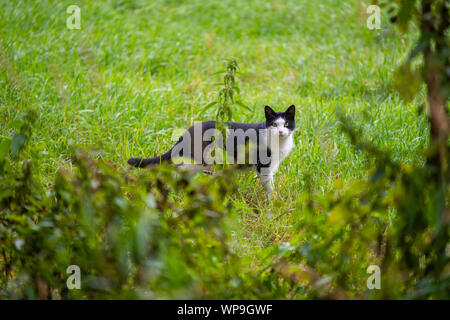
[269, 112]
[290, 112]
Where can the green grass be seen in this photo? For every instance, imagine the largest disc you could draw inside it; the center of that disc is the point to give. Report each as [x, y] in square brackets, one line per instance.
[137, 70]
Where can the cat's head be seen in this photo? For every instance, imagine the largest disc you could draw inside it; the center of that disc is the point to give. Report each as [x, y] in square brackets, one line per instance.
[280, 123]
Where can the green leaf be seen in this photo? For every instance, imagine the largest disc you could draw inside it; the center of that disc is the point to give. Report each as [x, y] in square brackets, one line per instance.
[208, 106]
[407, 81]
[241, 104]
[405, 14]
[4, 148]
[419, 47]
[5, 193]
[218, 72]
[17, 142]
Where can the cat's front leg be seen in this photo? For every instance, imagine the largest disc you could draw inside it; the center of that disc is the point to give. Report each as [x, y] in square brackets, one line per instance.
[267, 182]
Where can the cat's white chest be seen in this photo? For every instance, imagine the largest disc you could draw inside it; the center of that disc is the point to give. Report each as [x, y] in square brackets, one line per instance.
[280, 150]
[285, 147]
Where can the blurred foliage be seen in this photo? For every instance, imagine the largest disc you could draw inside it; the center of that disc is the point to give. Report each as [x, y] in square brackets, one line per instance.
[397, 219]
[160, 234]
[166, 234]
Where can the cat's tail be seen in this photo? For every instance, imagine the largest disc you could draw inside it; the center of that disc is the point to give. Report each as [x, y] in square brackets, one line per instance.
[141, 163]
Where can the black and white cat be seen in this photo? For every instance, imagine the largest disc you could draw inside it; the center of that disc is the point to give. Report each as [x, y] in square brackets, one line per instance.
[270, 142]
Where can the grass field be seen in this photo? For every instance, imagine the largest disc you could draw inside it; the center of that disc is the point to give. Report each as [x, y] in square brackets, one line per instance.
[137, 70]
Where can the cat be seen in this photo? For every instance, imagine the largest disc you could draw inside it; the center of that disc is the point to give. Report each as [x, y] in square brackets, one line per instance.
[270, 142]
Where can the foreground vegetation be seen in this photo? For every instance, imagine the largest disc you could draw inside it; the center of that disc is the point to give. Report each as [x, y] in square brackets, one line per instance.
[75, 104]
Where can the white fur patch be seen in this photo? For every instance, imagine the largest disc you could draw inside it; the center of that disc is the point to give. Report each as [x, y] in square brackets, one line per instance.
[280, 145]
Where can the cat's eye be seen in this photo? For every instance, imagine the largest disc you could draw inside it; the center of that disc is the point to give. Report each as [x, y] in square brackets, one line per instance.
[286, 124]
[274, 124]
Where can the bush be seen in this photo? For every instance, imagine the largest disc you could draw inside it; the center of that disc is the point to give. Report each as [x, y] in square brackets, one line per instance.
[396, 219]
[160, 234]
[163, 233]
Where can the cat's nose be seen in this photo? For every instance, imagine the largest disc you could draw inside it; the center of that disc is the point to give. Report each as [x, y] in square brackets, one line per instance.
[280, 132]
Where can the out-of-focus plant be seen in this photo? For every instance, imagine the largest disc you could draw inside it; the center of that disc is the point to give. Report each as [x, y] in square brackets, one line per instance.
[396, 220]
[433, 45]
[154, 234]
[226, 98]
[399, 218]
